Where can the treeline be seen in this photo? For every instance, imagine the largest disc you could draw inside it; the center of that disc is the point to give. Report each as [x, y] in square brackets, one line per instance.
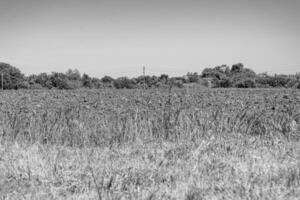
[221, 76]
[240, 77]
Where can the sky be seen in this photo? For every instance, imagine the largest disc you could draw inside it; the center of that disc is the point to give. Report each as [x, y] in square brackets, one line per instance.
[119, 37]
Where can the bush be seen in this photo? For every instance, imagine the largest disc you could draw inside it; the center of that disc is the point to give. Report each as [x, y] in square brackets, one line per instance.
[192, 77]
[247, 83]
[215, 73]
[96, 83]
[175, 82]
[35, 86]
[206, 82]
[86, 81]
[107, 79]
[237, 68]
[225, 82]
[74, 78]
[12, 76]
[60, 81]
[123, 82]
[274, 81]
[42, 79]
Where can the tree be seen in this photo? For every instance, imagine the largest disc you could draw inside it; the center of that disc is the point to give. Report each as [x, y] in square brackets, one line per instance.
[245, 83]
[225, 82]
[60, 81]
[224, 69]
[96, 83]
[32, 81]
[107, 79]
[44, 80]
[236, 68]
[86, 81]
[218, 76]
[154, 81]
[244, 74]
[123, 82]
[192, 77]
[242, 77]
[164, 77]
[74, 78]
[12, 76]
[73, 75]
[215, 73]
[237, 76]
[176, 82]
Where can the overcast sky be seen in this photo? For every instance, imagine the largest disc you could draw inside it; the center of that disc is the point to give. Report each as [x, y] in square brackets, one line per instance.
[118, 37]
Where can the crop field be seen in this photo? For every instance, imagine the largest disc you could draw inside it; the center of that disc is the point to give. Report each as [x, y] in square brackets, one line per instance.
[188, 144]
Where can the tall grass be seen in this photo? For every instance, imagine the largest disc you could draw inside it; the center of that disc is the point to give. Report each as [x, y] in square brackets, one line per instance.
[154, 144]
[79, 118]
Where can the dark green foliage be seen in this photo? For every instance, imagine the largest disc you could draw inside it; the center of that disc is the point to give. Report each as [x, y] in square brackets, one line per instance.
[142, 81]
[238, 76]
[246, 83]
[237, 68]
[12, 77]
[275, 81]
[193, 77]
[44, 80]
[153, 81]
[214, 73]
[86, 81]
[96, 83]
[220, 76]
[107, 79]
[74, 78]
[60, 81]
[176, 82]
[73, 75]
[226, 82]
[123, 82]
[244, 78]
[163, 77]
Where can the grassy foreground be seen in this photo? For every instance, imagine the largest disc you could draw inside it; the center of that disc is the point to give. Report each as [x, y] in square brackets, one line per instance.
[214, 168]
[190, 145]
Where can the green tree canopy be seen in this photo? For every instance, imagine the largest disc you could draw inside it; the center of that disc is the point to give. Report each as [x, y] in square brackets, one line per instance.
[12, 76]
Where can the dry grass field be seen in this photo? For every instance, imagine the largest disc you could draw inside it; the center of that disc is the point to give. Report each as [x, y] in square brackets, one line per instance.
[157, 144]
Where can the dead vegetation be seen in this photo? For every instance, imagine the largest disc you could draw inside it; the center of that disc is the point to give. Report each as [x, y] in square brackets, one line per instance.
[156, 144]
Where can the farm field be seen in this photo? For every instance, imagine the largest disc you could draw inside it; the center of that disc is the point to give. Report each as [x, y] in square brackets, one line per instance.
[185, 144]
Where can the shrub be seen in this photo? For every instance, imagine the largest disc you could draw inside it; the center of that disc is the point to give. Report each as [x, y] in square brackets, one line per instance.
[12, 76]
[193, 77]
[274, 81]
[35, 86]
[96, 83]
[60, 81]
[42, 79]
[86, 81]
[225, 82]
[107, 79]
[123, 82]
[174, 82]
[237, 68]
[247, 83]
